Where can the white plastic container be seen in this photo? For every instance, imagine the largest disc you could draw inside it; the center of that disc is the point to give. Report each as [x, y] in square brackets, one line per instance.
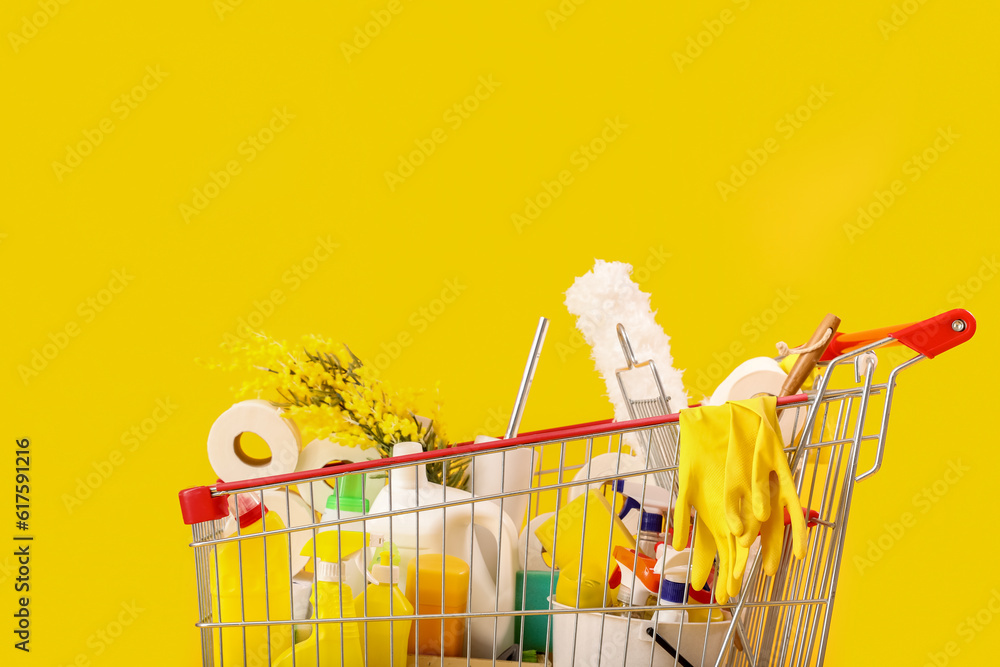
[606, 647]
[517, 465]
[450, 531]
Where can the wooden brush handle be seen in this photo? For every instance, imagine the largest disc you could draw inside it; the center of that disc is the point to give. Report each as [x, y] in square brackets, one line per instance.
[807, 361]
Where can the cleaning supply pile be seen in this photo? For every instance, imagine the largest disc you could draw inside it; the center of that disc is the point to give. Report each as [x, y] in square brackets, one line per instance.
[644, 538]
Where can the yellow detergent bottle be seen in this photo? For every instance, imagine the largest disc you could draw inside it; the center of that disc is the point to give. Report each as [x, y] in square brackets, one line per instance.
[582, 550]
[264, 595]
[332, 644]
[384, 642]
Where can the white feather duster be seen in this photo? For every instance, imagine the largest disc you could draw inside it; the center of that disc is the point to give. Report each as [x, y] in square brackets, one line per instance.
[601, 299]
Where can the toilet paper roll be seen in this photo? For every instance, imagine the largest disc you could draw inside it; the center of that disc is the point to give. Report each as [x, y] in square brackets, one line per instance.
[319, 453]
[760, 375]
[265, 419]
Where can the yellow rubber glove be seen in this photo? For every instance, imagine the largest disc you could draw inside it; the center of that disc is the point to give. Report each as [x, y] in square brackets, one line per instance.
[758, 482]
[701, 478]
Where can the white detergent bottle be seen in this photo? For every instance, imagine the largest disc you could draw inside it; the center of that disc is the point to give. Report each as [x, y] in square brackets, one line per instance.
[453, 531]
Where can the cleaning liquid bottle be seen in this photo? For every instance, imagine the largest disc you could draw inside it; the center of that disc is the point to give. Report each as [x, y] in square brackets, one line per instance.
[348, 503]
[335, 644]
[265, 593]
[639, 586]
[457, 532]
[439, 586]
[384, 642]
[584, 528]
[655, 505]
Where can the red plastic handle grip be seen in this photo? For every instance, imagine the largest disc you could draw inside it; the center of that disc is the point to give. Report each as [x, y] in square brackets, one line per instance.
[930, 337]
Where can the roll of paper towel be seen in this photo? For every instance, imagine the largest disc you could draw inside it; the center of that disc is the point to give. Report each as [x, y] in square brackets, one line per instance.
[264, 419]
[319, 453]
[759, 375]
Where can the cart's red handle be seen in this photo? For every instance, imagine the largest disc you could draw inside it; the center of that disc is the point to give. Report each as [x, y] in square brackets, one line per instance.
[930, 337]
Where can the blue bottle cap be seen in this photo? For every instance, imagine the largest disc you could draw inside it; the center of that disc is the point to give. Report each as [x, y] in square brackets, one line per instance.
[651, 522]
[673, 591]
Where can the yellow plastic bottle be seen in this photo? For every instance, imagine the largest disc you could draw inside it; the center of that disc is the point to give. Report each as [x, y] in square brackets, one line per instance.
[384, 643]
[438, 636]
[582, 552]
[335, 644]
[265, 594]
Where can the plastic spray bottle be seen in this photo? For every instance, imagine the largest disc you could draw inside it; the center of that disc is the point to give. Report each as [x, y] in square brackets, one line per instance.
[346, 504]
[335, 644]
[384, 642]
[655, 505]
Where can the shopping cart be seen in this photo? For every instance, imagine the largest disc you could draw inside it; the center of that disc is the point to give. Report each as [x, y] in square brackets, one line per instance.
[841, 424]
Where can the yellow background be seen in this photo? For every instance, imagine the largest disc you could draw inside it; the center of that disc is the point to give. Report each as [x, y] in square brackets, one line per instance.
[789, 229]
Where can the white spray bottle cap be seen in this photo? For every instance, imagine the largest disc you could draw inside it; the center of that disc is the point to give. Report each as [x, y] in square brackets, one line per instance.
[327, 572]
[385, 572]
[332, 549]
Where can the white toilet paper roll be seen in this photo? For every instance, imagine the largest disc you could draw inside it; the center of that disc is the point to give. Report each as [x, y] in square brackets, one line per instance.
[264, 419]
[759, 375]
[319, 453]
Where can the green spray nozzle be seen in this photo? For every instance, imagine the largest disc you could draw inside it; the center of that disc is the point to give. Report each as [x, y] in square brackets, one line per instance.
[383, 551]
[350, 496]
